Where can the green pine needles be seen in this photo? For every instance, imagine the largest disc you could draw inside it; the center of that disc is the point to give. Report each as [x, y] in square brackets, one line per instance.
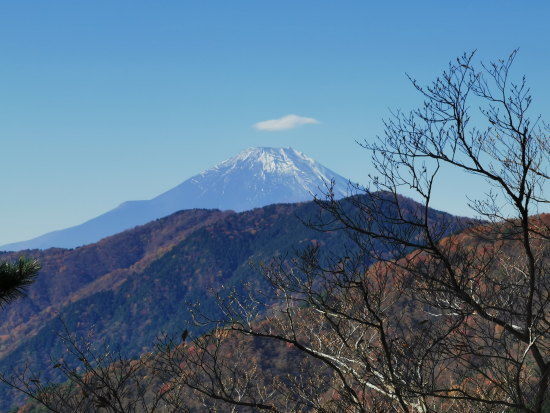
[15, 277]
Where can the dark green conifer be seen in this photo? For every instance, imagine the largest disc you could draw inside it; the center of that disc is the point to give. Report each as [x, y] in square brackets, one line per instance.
[15, 277]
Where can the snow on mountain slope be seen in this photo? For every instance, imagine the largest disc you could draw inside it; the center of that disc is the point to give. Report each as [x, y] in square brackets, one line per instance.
[255, 177]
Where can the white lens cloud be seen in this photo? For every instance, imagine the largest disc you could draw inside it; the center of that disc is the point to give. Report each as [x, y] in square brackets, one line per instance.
[284, 123]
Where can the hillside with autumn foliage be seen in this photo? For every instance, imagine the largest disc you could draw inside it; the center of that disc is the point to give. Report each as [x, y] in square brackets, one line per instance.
[227, 356]
[131, 287]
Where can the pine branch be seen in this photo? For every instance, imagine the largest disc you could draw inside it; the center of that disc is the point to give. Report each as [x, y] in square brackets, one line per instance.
[16, 277]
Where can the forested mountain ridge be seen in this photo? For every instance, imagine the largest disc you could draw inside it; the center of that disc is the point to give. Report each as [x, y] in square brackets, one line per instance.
[70, 275]
[268, 360]
[131, 287]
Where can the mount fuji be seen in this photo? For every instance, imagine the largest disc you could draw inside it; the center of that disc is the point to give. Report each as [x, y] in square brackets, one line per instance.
[254, 178]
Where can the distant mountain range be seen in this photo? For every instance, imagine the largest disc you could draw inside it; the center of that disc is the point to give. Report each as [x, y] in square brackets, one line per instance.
[254, 178]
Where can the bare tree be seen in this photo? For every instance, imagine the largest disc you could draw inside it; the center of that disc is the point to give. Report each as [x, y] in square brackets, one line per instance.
[98, 380]
[449, 318]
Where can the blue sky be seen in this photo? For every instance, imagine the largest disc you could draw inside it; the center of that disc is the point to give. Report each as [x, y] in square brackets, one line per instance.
[107, 101]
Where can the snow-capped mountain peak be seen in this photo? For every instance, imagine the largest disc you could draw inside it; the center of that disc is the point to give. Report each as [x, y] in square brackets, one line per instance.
[253, 178]
[282, 161]
[286, 161]
[261, 176]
